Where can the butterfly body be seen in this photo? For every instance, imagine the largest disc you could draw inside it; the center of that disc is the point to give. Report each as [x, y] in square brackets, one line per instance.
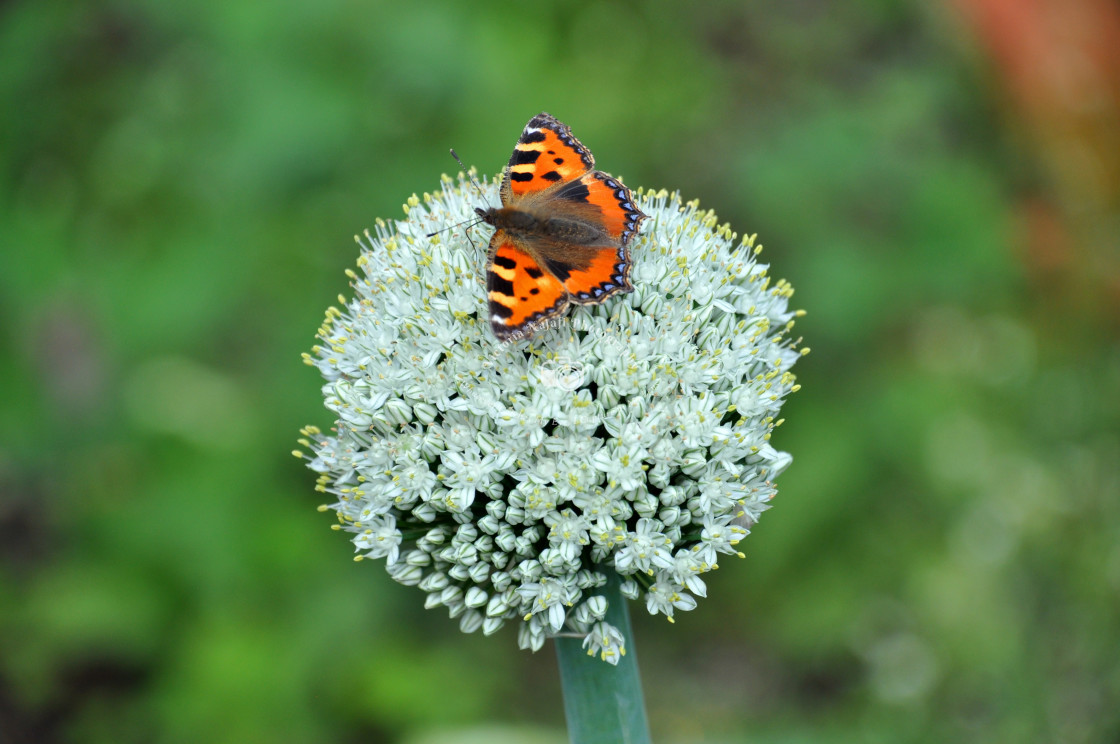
[525, 225]
[561, 235]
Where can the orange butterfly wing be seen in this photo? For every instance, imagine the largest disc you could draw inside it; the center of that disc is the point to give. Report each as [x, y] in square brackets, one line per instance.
[597, 270]
[562, 234]
[547, 153]
[520, 292]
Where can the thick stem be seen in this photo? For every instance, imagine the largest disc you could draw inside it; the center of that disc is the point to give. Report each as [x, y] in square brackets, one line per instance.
[602, 703]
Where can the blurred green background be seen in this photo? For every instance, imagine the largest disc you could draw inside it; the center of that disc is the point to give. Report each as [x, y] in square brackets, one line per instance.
[179, 188]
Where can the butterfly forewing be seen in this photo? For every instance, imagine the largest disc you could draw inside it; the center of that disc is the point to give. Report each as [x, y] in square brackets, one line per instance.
[546, 154]
[520, 291]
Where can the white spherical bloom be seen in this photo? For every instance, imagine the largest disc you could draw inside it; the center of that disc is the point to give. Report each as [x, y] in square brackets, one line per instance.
[506, 479]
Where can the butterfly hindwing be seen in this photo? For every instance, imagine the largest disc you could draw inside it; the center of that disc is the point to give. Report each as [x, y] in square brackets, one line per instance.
[616, 210]
[589, 273]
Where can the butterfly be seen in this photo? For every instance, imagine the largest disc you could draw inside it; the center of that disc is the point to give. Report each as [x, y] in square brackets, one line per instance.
[562, 234]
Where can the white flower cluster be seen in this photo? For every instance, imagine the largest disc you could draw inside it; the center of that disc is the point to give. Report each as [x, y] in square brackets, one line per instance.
[504, 479]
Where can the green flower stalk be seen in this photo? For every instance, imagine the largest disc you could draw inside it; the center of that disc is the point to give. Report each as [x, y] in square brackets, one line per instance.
[511, 481]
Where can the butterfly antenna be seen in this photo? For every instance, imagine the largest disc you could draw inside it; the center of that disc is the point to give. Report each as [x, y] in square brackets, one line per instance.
[469, 223]
[478, 187]
[470, 174]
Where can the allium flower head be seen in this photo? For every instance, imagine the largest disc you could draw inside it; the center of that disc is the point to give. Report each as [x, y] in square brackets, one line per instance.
[505, 479]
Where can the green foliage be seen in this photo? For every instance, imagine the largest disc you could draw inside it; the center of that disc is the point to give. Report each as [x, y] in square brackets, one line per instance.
[179, 184]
